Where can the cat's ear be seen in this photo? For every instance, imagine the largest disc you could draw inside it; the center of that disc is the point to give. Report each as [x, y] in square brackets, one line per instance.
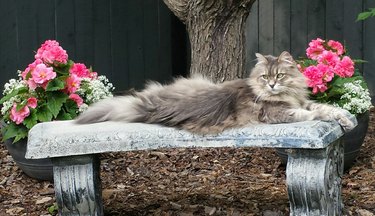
[261, 58]
[286, 57]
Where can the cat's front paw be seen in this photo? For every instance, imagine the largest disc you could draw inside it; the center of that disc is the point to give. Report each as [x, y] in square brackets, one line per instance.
[347, 120]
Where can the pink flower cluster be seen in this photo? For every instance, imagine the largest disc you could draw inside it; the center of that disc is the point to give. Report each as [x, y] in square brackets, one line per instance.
[330, 61]
[19, 115]
[41, 72]
[51, 53]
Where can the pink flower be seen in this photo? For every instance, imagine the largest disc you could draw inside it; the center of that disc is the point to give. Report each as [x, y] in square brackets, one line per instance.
[73, 82]
[32, 102]
[336, 46]
[299, 67]
[41, 74]
[93, 75]
[32, 85]
[51, 52]
[80, 70]
[20, 115]
[318, 76]
[345, 68]
[329, 58]
[31, 67]
[315, 48]
[76, 98]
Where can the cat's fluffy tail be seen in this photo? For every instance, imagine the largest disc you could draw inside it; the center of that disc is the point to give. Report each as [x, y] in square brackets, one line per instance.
[112, 109]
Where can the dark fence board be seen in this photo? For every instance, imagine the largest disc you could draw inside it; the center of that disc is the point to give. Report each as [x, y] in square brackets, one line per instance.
[352, 31]
[165, 49]
[65, 26]
[84, 31]
[151, 48]
[119, 46]
[315, 19]
[135, 42]
[282, 28]
[8, 41]
[27, 31]
[298, 27]
[266, 27]
[45, 17]
[334, 20]
[252, 36]
[369, 49]
[102, 38]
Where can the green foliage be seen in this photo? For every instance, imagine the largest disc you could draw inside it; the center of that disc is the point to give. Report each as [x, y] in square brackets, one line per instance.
[366, 14]
[44, 114]
[56, 84]
[55, 102]
[12, 130]
[53, 209]
[15, 92]
[31, 120]
[63, 69]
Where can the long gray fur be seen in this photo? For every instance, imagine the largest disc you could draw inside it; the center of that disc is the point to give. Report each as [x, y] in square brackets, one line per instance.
[275, 92]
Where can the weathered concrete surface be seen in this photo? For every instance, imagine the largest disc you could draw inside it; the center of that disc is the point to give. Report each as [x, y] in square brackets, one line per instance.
[63, 138]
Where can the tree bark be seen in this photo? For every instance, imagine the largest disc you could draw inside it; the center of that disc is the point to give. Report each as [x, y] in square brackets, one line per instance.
[216, 34]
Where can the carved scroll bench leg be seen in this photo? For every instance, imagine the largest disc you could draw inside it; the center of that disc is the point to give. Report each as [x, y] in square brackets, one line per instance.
[77, 185]
[314, 180]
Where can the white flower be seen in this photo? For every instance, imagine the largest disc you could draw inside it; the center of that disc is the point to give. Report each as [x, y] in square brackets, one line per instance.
[95, 90]
[357, 99]
[10, 86]
[83, 107]
[13, 84]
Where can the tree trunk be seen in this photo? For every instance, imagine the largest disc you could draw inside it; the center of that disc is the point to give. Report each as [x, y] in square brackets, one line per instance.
[216, 33]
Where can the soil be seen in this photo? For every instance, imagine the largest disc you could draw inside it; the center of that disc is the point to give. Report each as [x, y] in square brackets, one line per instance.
[185, 182]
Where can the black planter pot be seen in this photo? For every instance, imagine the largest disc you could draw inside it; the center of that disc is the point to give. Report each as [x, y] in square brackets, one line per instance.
[40, 169]
[352, 142]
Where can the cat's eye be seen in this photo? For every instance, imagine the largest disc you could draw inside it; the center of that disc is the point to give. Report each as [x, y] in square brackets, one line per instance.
[264, 76]
[280, 75]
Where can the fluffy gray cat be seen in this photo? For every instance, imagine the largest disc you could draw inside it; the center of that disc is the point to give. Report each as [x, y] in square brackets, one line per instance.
[275, 92]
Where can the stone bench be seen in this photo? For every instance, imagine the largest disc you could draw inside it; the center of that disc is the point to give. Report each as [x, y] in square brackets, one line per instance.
[314, 168]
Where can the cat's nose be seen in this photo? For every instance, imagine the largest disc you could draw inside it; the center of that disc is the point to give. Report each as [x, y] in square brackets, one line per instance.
[272, 85]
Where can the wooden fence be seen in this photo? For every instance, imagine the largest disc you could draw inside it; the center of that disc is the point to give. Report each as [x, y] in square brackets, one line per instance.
[277, 25]
[136, 40]
[129, 41]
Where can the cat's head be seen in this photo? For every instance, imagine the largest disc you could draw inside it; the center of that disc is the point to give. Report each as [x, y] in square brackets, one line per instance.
[275, 76]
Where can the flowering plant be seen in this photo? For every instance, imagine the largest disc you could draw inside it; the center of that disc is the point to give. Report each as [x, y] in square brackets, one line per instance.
[333, 78]
[51, 88]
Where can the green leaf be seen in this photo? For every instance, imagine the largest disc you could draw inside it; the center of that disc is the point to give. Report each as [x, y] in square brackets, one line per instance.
[31, 120]
[53, 210]
[71, 108]
[12, 130]
[365, 15]
[13, 93]
[55, 84]
[64, 116]
[56, 101]
[63, 69]
[21, 135]
[44, 114]
[359, 61]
